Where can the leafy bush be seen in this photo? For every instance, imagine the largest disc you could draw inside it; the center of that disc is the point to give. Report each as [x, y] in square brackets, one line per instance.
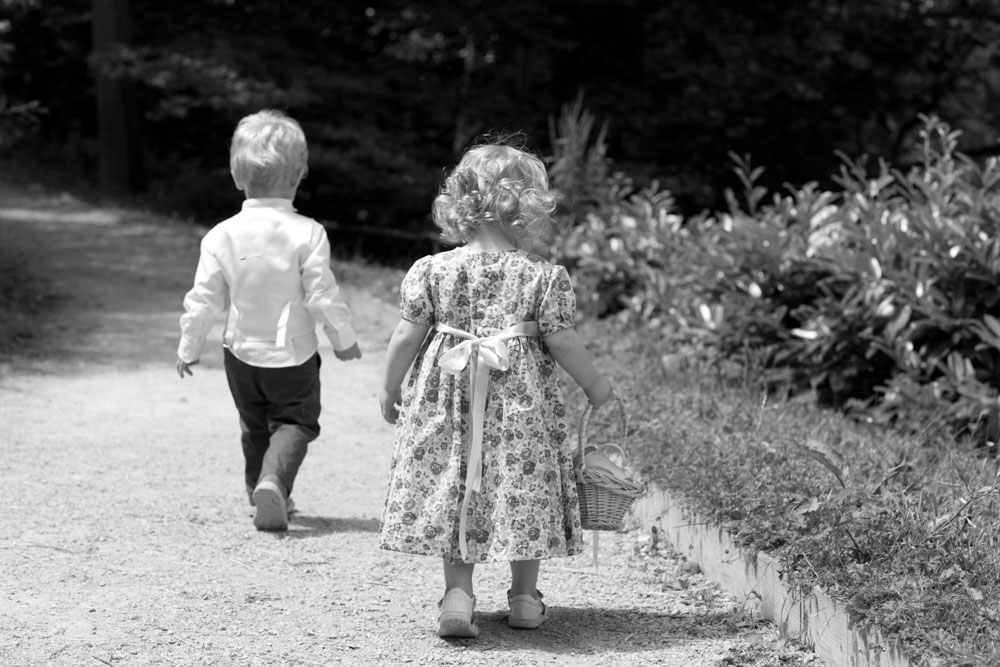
[928, 247]
[617, 251]
[879, 297]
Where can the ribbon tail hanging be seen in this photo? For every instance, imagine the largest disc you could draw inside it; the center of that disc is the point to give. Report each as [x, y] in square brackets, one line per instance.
[479, 376]
[470, 474]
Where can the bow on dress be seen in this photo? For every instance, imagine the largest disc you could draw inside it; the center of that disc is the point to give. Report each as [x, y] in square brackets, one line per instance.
[485, 353]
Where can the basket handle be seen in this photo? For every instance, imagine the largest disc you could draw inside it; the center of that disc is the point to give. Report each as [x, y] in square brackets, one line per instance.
[586, 419]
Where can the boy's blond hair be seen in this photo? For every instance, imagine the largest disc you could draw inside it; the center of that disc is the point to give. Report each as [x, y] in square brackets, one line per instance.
[268, 151]
[495, 184]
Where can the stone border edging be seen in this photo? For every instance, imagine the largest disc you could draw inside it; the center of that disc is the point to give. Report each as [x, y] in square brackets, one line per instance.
[816, 620]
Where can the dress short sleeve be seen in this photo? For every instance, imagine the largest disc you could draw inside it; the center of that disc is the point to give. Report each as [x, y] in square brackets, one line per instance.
[557, 308]
[415, 302]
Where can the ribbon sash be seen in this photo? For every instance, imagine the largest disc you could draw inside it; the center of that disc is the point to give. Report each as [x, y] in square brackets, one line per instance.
[479, 355]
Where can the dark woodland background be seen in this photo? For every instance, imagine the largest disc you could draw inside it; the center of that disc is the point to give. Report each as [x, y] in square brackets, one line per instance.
[140, 97]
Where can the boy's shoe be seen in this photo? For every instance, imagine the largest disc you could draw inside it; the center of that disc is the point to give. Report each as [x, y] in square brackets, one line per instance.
[272, 512]
[526, 611]
[289, 503]
[455, 619]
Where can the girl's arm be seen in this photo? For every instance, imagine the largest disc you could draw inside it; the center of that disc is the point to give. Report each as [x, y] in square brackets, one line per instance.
[569, 352]
[403, 348]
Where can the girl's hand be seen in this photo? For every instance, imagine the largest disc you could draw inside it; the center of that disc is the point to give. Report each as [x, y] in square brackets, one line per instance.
[390, 402]
[600, 394]
[184, 368]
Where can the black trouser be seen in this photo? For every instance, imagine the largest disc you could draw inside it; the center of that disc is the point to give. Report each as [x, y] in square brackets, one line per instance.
[279, 416]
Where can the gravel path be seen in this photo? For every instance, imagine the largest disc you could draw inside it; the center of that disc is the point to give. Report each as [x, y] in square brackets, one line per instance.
[126, 538]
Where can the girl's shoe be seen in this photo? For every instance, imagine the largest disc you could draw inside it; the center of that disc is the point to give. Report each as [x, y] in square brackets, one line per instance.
[455, 619]
[526, 611]
[272, 512]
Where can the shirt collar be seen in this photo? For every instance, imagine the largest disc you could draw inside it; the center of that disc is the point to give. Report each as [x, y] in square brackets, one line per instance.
[269, 202]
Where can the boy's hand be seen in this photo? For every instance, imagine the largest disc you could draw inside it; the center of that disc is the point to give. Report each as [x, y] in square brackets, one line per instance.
[353, 352]
[390, 402]
[184, 367]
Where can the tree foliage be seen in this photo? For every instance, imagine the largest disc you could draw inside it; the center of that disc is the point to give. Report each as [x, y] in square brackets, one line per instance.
[390, 91]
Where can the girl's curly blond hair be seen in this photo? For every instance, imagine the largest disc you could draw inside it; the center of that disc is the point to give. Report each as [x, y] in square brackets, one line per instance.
[495, 184]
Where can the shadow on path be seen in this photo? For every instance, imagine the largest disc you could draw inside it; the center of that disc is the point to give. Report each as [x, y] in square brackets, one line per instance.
[593, 631]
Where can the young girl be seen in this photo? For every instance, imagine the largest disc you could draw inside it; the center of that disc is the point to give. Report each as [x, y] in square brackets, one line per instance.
[482, 467]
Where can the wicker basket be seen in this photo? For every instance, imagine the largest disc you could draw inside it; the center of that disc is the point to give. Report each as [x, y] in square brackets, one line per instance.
[605, 494]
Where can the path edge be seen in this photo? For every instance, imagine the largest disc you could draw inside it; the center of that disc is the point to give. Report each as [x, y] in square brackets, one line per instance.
[816, 620]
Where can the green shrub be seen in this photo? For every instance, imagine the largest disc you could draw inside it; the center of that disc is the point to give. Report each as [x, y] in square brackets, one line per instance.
[881, 296]
[927, 242]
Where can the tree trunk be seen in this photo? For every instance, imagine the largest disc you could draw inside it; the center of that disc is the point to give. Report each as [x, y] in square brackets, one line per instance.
[118, 158]
[465, 127]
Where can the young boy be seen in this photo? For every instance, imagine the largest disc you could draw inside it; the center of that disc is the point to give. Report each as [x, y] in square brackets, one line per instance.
[270, 267]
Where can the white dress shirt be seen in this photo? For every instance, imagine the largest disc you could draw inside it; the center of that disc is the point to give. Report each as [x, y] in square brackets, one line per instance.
[270, 267]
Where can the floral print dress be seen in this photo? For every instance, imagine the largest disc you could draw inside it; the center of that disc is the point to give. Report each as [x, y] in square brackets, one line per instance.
[527, 507]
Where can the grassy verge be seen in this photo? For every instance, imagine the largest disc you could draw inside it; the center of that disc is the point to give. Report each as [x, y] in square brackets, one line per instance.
[905, 530]
[23, 291]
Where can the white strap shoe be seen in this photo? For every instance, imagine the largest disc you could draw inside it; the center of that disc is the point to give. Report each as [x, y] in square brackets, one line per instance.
[526, 611]
[455, 619]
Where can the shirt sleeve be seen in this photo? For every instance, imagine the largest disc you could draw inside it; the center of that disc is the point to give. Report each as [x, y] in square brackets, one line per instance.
[415, 302]
[322, 293]
[202, 304]
[557, 306]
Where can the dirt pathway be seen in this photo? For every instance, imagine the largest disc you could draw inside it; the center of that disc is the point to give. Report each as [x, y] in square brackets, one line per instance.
[125, 538]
